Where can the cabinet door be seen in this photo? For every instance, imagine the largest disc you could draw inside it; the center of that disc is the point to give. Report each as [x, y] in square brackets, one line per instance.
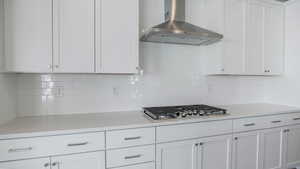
[177, 155]
[293, 147]
[274, 38]
[272, 152]
[234, 39]
[215, 153]
[265, 38]
[73, 36]
[94, 160]
[118, 43]
[43, 163]
[28, 35]
[246, 147]
[254, 37]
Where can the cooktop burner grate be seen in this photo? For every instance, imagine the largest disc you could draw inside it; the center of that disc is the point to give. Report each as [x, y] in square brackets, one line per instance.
[184, 111]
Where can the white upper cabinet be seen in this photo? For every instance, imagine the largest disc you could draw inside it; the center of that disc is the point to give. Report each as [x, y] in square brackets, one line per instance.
[73, 36]
[253, 39]
[117, 36]
[234, 37]
[274, 39]
[28, 35]
[264, 38]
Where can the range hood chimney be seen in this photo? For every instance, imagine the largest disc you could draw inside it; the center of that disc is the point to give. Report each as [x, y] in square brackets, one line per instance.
[177, 31]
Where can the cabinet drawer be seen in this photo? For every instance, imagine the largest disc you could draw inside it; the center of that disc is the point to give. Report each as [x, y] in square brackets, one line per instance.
[248, 124]
[257, 123]
[194, 130]
[293, 118]
[139, 166]
[76, 143]
[53, 145]
[129, 156]
[132, 137]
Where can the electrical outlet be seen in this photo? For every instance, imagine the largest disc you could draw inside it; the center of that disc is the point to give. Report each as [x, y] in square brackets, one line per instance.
[116, 91]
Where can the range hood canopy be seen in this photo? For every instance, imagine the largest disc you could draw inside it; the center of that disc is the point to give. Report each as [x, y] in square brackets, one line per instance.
[177, 31]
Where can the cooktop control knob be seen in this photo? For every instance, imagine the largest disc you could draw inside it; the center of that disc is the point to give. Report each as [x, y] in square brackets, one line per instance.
[195, 112]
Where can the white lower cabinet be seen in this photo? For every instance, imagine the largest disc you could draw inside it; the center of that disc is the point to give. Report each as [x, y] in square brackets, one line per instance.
[215, 153]
[246, 151]
[27, 164]
[276, 148]
[95, 160]
[273, 148]
[177, 155]
[192, 154]
[293, 147]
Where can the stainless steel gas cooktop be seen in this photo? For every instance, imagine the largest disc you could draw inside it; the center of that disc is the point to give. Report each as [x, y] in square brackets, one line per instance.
[185, 111]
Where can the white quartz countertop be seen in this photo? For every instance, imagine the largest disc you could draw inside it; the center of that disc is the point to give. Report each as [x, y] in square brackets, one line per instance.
[77, 123]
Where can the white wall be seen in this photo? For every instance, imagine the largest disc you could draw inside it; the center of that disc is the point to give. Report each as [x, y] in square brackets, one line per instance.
[172, 76]
[7, 83]
[7, 98]
[1, 35]
[286, 89]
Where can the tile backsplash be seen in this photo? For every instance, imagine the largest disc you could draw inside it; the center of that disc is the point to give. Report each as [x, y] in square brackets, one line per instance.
[172, 75]
[7, 97]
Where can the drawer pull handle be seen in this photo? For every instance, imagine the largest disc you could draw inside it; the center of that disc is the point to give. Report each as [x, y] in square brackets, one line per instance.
[77, 144]
[16, 150]
[277, 121]
[297, 118]
[250, 124]
[132, 157]
[132, 138]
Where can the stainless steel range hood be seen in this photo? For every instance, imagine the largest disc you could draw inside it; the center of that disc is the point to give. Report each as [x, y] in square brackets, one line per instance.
[176, 31]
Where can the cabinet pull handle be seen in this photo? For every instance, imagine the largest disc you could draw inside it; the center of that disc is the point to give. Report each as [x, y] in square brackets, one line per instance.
[77, 144]
[133, 157]
[250, 124]
[56, 164]
[16, 150]
[297, 118]
[277, 121]
[132, 138]
[46, 165]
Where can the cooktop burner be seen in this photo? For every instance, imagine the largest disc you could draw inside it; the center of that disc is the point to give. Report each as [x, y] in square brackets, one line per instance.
[185, 111]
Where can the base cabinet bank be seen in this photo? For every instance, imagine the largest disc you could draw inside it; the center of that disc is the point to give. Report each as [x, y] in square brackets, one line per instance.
[264, 142]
